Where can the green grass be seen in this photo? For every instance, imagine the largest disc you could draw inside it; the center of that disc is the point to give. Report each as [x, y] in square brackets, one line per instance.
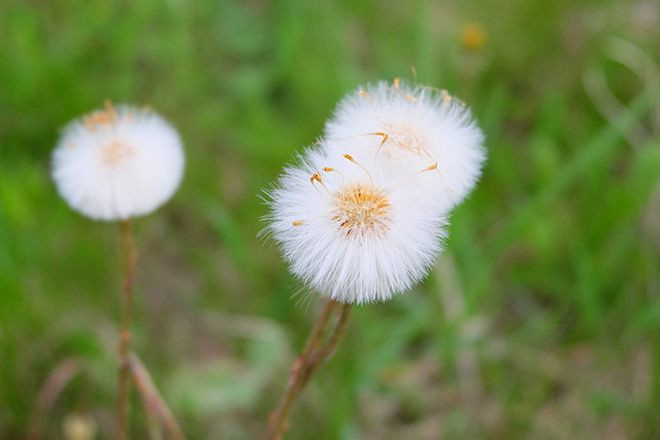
[541, 320]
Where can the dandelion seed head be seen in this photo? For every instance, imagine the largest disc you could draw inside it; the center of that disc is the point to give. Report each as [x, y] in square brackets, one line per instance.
[414, 127]
[356, 233]
[118, 162]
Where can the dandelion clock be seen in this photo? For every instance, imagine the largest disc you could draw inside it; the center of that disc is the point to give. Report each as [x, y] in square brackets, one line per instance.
[352, 227]
[118, 163]
[418, 128]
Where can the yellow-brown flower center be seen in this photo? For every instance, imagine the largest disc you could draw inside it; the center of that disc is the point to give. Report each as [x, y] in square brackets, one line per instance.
[115, 152]
[361, 209]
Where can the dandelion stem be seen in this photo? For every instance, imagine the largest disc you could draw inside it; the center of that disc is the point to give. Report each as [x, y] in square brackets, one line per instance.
[328, 350]
[312, 356]
[153, 402]
[128, 259]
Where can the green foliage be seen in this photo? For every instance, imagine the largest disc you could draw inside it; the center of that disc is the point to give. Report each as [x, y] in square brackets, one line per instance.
[542, 320]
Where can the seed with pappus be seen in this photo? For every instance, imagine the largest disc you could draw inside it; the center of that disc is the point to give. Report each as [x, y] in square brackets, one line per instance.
[118, 162]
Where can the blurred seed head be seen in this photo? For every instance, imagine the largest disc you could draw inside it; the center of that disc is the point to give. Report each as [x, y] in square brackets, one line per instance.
[118, 162]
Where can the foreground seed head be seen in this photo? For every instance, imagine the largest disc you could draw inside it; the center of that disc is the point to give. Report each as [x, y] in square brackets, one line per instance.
[351, 227]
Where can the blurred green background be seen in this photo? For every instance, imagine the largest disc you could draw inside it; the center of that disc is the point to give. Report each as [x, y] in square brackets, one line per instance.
[541, 320]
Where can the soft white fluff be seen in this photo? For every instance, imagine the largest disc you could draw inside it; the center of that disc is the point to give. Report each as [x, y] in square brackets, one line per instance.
[118, 163]
[419, 128]
[359, 232]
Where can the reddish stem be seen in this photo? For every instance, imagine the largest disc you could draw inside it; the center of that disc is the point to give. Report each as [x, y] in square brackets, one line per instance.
[313, 355]
[129, 259]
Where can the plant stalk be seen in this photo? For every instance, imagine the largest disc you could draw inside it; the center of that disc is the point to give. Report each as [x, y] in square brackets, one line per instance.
[128, 259]
[312, 356]
[154, 404]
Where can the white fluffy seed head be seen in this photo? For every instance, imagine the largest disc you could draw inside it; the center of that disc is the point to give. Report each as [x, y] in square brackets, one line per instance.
[419, 128]
[351, 227]
[117, 163]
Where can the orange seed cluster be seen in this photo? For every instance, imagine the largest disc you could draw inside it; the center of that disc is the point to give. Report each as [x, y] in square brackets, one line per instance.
[361, 209]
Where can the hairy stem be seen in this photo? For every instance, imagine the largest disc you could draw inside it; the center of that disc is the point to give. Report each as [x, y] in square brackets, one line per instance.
[128, 259]
[313, 355]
